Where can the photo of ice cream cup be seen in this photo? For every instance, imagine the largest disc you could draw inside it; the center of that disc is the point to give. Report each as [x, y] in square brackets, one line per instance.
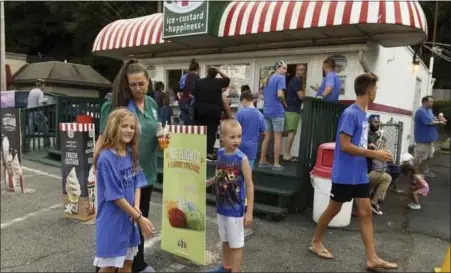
[184, 214]
[73, 190]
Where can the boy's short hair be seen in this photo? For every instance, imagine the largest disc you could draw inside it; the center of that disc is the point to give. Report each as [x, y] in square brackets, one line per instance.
[364, 82]
[245, 88]
[228, 124]
[246, 95]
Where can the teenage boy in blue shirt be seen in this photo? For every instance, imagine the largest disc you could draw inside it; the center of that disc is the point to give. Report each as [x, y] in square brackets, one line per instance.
[350, 173]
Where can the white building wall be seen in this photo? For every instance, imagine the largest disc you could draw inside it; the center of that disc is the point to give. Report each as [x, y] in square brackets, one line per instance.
[396, 87]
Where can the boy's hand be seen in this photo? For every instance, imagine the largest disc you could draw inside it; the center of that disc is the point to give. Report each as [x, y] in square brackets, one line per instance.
[383, 155]
[247, 219]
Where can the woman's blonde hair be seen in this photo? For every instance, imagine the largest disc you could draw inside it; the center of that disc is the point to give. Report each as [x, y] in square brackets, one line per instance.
[111, 135]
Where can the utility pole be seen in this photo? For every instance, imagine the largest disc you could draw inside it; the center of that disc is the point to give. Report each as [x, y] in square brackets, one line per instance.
[434, 34]
[2, 47]
[431, 60]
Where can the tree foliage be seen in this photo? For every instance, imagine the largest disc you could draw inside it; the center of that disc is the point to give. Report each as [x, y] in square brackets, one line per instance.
[67, 30]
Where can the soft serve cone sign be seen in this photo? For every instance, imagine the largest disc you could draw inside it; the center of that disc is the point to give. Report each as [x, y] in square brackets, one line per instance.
[73, 190]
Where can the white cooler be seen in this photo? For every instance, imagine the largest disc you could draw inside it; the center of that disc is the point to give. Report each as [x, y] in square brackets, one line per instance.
[322, 185]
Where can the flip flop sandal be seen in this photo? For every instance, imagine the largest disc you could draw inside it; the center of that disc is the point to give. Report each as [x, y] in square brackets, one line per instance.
[292, 159]
[264, 166]
[324, 253]
[382, 267]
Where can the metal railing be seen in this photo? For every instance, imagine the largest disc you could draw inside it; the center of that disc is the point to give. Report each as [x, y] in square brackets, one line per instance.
[393, 133]
[319, 125]
[39, 125]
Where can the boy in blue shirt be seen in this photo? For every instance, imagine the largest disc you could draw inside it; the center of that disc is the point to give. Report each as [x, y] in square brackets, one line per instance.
[233, 183]
[350, 173]
[252, 124]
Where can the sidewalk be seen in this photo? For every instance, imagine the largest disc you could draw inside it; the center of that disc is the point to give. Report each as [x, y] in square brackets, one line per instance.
[35, 236]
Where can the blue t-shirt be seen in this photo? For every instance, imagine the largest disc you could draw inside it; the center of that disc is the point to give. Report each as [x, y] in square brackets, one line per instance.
[272, 107]
[424, 132]
[229, 182]
[350, 169]
[253, 124]
[116, 179]
[332, 80]
[293, 101]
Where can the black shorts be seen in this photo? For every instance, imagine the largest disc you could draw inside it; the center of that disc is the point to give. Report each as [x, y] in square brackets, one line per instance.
[344, 193]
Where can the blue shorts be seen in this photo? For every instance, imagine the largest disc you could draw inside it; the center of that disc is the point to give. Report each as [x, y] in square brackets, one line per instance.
[275, 124]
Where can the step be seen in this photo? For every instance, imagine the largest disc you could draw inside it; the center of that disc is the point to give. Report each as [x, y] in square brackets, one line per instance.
[267, 181]
[257, 206]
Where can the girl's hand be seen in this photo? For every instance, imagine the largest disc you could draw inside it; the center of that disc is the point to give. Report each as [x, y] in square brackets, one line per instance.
[146, 227]
[136, 207]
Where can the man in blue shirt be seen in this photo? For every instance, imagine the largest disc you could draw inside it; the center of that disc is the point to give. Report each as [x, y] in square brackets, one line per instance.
[294, 96]
[350, 173]
[331, 84]
[425, 132]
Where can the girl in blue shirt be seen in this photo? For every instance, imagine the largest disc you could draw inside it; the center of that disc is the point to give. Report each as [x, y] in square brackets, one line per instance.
[119, 182]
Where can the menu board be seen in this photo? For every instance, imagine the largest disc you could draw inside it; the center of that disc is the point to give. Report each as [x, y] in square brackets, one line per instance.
[77, 150]
[11, 153]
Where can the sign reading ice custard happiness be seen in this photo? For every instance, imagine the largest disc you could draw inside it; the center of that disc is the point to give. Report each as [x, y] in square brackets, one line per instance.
[184, 17]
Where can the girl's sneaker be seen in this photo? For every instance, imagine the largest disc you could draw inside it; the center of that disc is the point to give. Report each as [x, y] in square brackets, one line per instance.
[414, 206]
[220, 269]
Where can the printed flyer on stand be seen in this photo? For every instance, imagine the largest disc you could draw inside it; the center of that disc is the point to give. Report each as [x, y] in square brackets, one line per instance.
[184, 205]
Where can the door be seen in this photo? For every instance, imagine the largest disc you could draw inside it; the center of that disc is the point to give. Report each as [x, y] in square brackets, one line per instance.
[416, 104]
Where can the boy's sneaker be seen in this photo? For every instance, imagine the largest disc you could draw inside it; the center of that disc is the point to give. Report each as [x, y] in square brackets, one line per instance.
[220, 269]
[376, 209]
[414, 206]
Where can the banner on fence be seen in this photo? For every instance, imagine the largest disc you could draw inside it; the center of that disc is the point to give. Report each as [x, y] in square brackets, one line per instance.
[77, 149]
[7, 99]
[184, 196]
[11, 153]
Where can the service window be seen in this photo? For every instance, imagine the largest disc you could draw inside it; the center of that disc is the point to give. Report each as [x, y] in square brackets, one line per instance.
[239, 75]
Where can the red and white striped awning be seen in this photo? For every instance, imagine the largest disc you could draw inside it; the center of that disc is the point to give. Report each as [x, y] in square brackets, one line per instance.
[131, 33]
[391, 23]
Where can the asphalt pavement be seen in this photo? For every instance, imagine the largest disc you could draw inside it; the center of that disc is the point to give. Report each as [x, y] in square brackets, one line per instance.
[36, 237]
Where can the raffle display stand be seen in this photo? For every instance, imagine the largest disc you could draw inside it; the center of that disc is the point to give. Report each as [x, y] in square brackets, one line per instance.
[77, 149]
[11, 153]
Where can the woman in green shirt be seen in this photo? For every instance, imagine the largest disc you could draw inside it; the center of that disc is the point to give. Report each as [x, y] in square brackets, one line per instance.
[129, 90]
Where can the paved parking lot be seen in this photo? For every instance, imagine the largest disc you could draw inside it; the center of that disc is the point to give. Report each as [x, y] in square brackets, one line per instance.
[36, 237]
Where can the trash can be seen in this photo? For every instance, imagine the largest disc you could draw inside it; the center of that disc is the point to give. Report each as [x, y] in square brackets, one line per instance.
[322, 185]
[83, 119]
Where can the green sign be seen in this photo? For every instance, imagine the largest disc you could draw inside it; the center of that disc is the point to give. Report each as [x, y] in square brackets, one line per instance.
[184, 18]
[184, 205]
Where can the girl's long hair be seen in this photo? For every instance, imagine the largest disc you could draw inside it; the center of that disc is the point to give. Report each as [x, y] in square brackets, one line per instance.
[111, 135]
[121, 90]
